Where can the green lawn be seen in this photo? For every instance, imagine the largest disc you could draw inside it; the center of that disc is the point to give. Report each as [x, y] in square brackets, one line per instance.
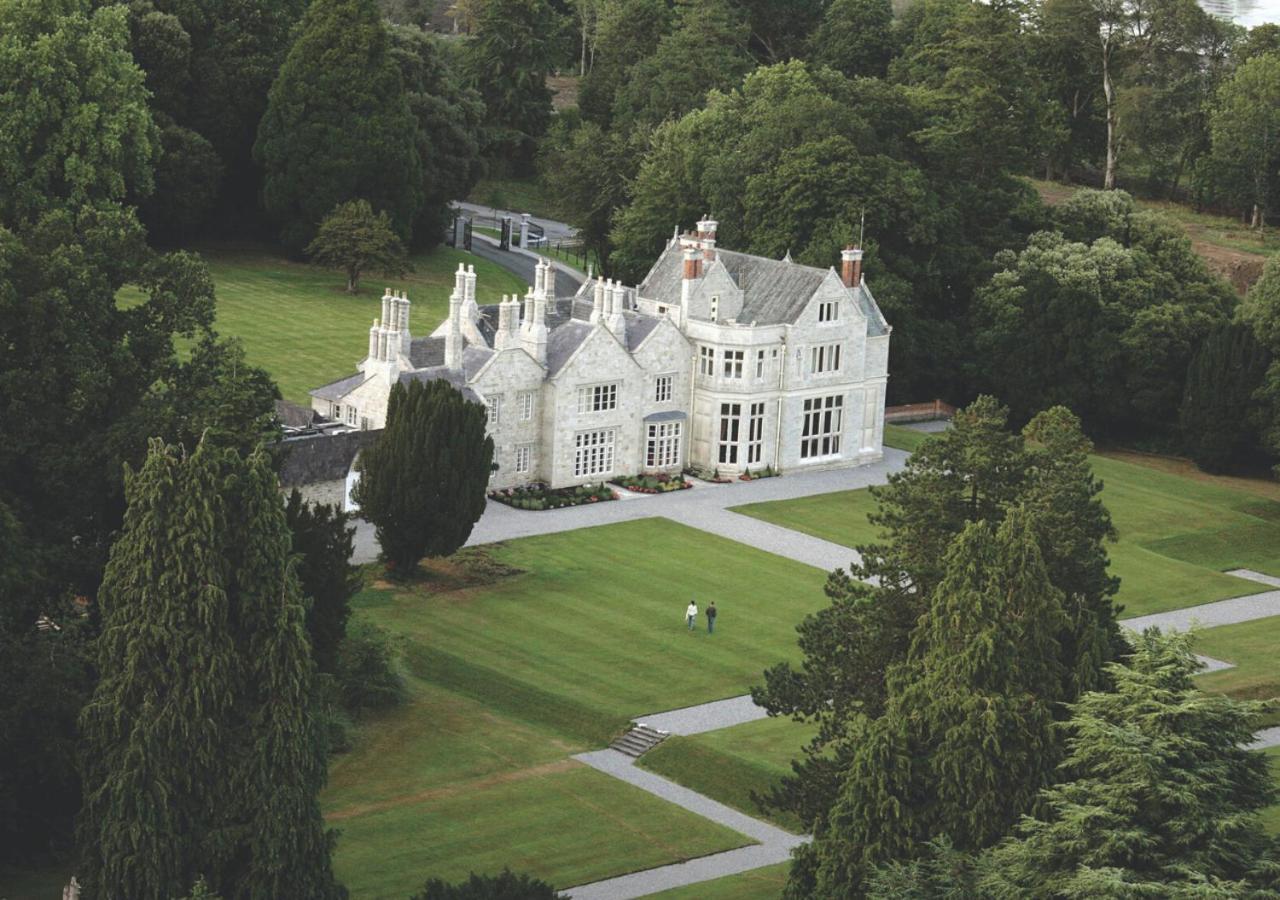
[567, 826]
[1271, 815]
[299, 324]
[732, 763]
[1252, 647]
[508, 679]
[1176, 534]
[760, 884]
[593, 634]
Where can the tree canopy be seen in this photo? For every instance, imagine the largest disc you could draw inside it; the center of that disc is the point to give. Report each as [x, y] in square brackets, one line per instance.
[354, 238]
[338, 125]
[73, 109]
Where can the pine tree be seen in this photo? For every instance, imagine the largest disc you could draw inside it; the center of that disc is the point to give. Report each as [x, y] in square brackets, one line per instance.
[423, 483]
[200, 753]
[1160, 797]
[338, 125]
[967, 738]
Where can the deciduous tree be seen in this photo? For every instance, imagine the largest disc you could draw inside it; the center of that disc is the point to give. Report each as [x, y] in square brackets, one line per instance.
[1246, 136]
[74, 111]
[355, 238]
[855, 37]
[423, 483]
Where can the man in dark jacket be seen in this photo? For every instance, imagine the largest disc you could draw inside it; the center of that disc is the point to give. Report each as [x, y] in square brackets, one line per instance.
[711, 617]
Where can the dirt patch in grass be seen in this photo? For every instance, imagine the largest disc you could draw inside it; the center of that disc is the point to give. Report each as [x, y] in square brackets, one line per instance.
[468, 568]
[564, 91]
[455, 789]
[1239, 268]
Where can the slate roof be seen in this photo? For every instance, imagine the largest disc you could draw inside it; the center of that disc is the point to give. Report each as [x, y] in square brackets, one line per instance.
[775, 291]
[425, 352]
[294, 415]
[638, 328]
[562, 343]
[313, 458]
[336, 390]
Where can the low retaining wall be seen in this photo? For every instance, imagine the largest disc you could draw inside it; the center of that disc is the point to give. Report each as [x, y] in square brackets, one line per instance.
[919, 412]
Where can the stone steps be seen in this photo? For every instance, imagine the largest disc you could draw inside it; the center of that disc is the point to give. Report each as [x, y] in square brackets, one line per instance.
[640, 739]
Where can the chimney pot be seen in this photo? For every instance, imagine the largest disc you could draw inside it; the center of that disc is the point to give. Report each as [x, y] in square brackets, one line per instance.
[851, 266]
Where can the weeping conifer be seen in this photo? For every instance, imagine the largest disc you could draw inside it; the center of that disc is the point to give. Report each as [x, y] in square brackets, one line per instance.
[423, 483]
[200, 754]
[1220, 418]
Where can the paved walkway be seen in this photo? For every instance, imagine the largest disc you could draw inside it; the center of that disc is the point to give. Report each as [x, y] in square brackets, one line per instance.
[706, 716]
[704, 507]
[773, 845]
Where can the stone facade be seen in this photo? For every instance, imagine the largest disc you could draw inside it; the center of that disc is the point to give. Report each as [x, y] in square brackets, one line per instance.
[720, 360]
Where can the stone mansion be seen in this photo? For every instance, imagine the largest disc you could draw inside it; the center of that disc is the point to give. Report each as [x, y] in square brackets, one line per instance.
[717, 359]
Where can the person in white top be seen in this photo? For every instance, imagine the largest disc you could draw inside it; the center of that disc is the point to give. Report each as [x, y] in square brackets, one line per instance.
[691, 614]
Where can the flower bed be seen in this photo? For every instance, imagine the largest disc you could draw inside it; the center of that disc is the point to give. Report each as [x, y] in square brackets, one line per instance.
[656, 483]
[766, 472]
[539, 496]
[713, 476]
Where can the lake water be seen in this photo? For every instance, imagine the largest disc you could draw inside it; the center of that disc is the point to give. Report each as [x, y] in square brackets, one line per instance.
[1245, 12]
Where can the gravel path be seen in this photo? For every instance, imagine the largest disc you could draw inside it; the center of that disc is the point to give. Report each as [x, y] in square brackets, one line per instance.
[773, 845]
[706, 716]
[703, 507]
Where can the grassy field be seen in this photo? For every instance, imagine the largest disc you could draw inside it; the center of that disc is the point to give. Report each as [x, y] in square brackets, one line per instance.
[1251, 646]
[732, 763]
[298, 323]
[1176, 534]
[761, 884]
[508, 679]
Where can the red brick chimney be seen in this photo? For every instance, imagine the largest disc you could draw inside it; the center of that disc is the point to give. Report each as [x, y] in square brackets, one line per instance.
[851, 266]
[691, 264]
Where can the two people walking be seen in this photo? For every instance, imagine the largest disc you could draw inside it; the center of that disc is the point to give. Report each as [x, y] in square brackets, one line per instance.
[691, 615]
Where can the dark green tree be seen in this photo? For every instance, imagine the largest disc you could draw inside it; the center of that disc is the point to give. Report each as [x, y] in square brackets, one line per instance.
[323, 538]
[855, 37]
[338, 125]
[200, 752]
[705, 50]
[1261, 311]
[505, 886]
[969, 722]
[627, 31]
[1105, 326]
[1246, 137]
[1219, 416]
[213, 395]
[75, 369]
[974, 472]
[450, 132]
[355, 238]
[1063, 51]
[188, 178]
[423, 483]
[940, 871]
[75, 120]
[508, 59]
[780, 29]
[1159, 796]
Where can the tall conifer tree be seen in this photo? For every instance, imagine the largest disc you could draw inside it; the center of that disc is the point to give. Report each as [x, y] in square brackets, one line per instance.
[967, 738]
[201, 756]
[338, 125]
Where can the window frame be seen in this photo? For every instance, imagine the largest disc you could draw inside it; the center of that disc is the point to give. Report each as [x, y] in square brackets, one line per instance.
[730, 433]
[822, 427]
[594, 452]
[663, 444]
[597, 398]
[666, 380]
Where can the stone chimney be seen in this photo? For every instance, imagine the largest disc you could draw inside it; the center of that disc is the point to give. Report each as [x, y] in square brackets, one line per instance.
[707, 237]
[453, 337]
[597, 303]
[507, 335]
[691, 274]
[533, 332]
[373, 340]
[469, 308]
[615, 295]
[851, 266]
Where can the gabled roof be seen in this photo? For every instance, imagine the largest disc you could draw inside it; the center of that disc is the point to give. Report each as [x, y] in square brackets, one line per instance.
[775, 291]
[564, 342]
[639, 328]
[336, 390]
